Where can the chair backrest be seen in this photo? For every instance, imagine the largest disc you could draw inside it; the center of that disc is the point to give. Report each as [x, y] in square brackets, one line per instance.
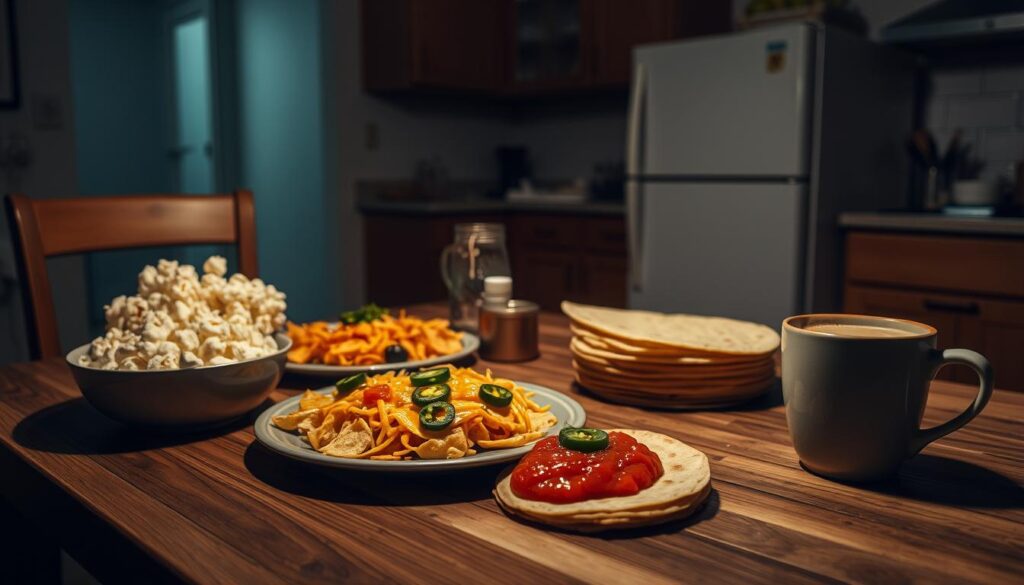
[53, 227]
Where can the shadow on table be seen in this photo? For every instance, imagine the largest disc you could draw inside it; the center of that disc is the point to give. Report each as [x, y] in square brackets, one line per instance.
[707, 511]
[369, 488]
[952, 482]
[75, 427]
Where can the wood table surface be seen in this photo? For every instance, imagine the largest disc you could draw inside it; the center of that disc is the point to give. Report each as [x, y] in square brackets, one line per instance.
[220, 508]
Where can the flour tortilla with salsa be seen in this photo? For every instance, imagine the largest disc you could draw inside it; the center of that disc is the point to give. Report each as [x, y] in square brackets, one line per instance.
[679, 492]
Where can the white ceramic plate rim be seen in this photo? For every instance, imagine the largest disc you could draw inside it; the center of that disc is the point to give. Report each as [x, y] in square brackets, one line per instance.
[271, 437]
[470, 343]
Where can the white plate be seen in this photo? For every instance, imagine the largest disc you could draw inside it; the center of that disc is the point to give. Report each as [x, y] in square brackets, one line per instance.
[470, 343]
[568, 411]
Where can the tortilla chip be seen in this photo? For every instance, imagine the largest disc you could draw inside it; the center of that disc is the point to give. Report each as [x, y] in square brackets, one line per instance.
[290, 422]
[312, 399]
[353, 439]
[452, 446]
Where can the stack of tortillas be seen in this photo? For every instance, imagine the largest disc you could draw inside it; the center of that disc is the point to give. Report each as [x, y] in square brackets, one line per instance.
[675, 495]
[670, 360]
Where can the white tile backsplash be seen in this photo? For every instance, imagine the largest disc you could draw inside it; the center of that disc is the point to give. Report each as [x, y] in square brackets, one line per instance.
[1002, 144]
[936, 115]
[956, 82]
[987, 105]
[998, 110]
[1003, 78]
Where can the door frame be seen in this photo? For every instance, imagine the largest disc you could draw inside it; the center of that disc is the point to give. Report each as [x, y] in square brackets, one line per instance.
[222, 131]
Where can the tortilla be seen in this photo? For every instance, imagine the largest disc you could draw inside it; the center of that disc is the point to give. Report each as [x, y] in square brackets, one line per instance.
[642, 374]
[681, 488]
[577, 345]
[646, 385]
[714, 335]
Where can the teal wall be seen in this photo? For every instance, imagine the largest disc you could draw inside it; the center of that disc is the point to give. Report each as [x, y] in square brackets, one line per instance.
[119, 87]
[281, 158]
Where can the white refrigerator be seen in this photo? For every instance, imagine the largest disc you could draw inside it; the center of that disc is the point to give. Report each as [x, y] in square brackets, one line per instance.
[741, 151]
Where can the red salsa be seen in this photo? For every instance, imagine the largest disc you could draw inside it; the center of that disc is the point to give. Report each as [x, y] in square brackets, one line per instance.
[552, 473]
[374, 393]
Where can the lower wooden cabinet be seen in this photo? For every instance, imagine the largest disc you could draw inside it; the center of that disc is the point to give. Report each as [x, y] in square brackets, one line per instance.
[554, 257]
[985, 321]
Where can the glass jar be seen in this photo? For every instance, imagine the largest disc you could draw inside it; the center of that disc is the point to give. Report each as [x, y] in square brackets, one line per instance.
[477, 252]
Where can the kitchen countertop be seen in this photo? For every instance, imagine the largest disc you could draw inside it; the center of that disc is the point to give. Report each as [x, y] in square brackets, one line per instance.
[934, 223]
[219, 508]
[480, 205]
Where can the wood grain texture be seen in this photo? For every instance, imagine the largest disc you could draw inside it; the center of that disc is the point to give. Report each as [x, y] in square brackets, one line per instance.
[989, 266]
[53, 227]
[218, 508]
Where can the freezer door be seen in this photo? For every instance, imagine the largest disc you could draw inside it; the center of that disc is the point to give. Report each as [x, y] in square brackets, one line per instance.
[733, 105]
[724, 249]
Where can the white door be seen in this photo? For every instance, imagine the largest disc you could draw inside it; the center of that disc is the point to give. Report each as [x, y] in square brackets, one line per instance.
[724, 249]
[734, 105]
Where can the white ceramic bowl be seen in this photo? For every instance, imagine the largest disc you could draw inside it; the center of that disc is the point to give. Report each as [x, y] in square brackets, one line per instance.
[185, 399]
[974, 192]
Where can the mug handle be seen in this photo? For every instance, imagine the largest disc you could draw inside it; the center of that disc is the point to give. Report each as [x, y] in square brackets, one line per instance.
[980, 365]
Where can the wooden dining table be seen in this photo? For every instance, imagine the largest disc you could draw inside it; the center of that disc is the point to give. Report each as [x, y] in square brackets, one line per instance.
[218, 507]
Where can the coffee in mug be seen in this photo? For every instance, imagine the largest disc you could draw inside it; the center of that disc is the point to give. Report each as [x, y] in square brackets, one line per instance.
[856, 386]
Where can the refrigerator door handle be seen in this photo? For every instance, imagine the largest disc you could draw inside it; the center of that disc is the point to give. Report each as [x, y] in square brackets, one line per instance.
[635, 127]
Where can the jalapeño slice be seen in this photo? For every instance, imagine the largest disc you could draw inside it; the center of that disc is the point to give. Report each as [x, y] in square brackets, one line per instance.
[424, 395]
[437, 415]
[583, 439]
[350, 383]
[428, 377]
[495, 395]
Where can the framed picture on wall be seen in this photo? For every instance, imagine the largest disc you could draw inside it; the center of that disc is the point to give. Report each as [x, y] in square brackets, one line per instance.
[9, 91]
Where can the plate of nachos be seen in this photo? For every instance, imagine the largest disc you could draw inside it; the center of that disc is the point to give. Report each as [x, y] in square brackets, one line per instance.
[442, 417]
[371, 339]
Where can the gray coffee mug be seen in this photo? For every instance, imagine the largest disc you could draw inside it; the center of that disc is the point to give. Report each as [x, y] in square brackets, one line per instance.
[854, 403]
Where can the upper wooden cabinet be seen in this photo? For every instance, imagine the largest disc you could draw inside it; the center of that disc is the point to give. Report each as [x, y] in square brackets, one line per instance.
[434, 44]
[520, 47]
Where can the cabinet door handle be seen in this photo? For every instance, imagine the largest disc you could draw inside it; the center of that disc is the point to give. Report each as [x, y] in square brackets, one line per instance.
[966, 307]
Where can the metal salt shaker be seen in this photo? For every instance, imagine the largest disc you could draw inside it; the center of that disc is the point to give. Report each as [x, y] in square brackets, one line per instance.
[508, 327]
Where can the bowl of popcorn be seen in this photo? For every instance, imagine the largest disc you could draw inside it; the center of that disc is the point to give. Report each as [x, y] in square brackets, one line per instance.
[187, 350]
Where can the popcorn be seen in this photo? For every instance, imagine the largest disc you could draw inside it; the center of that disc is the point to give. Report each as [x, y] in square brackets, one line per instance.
[179, 320]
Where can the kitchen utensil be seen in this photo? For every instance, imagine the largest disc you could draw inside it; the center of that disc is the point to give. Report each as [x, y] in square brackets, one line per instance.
[477, 252]
[855, 389]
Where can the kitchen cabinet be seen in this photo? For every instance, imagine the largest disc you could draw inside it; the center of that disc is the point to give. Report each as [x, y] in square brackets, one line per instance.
[581, 259]
[554, 257]
[520, 47]
[969, 288]
[433, 44]
[616, 27]
[403, 256]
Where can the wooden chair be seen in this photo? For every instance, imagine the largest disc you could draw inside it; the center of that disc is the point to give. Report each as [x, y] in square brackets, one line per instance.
[54, 227]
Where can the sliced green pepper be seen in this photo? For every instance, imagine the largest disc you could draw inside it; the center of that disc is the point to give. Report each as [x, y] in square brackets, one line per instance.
[350, 383]
[437, 415]
[424, 395]
[495, 395]
[435, 376]
[583, 439]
